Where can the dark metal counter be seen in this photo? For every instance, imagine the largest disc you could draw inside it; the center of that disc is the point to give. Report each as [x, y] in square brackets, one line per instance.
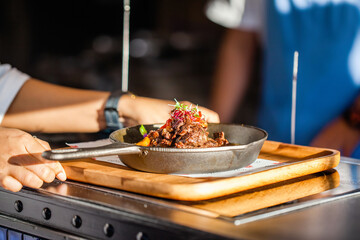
[72, 210]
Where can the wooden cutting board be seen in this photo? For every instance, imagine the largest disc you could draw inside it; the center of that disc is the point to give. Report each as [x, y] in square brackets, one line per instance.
[295, 161]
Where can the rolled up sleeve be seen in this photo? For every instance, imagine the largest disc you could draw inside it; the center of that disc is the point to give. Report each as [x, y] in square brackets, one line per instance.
[237, 14]
[11, 80]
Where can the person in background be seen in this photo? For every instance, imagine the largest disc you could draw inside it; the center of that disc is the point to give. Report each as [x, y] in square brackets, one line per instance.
[327, 36]
[28, 104]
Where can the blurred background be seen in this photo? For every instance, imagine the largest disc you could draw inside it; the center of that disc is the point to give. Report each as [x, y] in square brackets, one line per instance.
[78, 43]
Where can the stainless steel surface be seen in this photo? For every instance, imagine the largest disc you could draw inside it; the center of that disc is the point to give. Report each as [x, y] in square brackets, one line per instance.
[332, 214]
[247, 142]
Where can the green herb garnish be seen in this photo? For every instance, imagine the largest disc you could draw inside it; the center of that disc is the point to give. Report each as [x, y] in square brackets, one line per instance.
[142, 130]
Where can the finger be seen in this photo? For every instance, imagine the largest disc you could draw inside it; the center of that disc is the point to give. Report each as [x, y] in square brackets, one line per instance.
[43, 143]
[10, 183]
[36, 166]
[214, 118]
[211, 116]
[62, 174]
[55, 166]
[37, 147]
[25, 177]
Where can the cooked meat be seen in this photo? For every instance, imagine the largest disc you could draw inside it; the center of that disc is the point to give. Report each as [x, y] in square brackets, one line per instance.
[220, 138]
[185, 133]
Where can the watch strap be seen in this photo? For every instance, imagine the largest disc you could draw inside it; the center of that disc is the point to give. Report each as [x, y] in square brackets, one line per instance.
[111, 111]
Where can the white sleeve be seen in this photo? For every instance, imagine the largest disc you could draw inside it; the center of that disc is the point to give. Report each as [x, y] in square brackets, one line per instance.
[240, 14]
[253, 16]
[11, 80]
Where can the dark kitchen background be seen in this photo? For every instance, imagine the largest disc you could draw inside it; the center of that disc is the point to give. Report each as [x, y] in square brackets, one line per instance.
[78, 43]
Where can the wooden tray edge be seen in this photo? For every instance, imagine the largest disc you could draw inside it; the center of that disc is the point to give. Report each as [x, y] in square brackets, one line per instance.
[203, 190]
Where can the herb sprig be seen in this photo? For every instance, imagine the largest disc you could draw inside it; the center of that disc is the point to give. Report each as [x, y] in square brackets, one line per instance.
[180, 112]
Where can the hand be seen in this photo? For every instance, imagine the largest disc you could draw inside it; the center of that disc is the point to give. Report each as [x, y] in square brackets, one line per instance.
[21, 163]
[338, 135]
[149, 110]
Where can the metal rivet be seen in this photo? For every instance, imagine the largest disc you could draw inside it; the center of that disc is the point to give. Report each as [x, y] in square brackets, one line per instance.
[143, 153]
[18, 206]
[108, 230]
[76, 221]
[46, 213]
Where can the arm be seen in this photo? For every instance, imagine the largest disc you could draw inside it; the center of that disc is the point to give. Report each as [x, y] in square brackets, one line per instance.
[343, 133]
[233, 71]
[338, 135]
[45, 107]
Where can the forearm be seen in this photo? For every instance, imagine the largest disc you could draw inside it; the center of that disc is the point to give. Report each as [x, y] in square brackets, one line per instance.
[343, 132]
[45, 107]
[234, 68]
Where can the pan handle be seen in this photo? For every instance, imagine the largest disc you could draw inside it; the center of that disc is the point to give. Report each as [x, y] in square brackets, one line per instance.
[77, 153]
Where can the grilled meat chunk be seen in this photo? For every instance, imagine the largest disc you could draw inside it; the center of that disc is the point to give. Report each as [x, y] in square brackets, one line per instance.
[185, 134]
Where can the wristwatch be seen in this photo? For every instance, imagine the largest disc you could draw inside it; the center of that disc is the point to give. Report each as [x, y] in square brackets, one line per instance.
[111, 111]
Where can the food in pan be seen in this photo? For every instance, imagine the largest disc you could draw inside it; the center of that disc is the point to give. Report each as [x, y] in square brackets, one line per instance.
[186, 128]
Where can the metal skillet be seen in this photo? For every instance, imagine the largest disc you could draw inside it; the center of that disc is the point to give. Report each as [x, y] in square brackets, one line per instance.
[246, 142]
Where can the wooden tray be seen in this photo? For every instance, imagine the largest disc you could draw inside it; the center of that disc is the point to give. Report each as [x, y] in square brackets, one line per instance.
[270, 195]
[295, 161]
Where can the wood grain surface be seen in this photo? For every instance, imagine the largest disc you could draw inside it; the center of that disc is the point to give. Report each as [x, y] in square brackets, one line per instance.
[298, 161]
[270, 195]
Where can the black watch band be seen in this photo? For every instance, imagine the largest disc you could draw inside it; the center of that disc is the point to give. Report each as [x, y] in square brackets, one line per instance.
[111, 111]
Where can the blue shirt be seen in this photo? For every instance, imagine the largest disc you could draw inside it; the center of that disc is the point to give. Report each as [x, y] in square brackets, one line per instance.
[326, 33]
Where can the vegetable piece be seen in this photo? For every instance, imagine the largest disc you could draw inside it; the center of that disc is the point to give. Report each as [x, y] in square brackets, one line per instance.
[143, 130]
[145, 142]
